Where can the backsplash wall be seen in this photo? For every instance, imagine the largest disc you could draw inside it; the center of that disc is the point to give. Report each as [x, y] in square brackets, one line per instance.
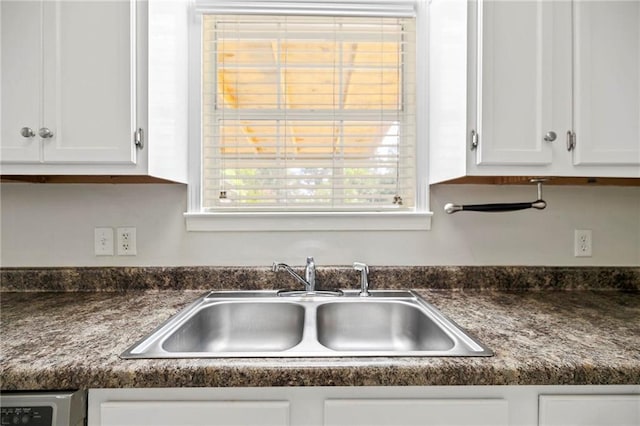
[52, 225]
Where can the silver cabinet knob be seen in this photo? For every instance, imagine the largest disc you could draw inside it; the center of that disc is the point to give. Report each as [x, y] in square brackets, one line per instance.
[27, 132]
[550, 136]
[45, 133]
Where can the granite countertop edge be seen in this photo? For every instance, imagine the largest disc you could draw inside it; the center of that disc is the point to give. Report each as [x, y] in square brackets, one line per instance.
[316, 374]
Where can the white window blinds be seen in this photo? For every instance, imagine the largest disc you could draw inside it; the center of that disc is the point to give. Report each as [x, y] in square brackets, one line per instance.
[308, 112]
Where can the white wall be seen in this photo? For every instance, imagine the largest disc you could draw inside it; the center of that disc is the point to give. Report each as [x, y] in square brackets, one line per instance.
[52, 225]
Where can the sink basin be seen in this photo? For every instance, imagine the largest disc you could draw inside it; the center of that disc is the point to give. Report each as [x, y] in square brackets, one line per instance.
[239, 327]
[265, 324]
[379, 326]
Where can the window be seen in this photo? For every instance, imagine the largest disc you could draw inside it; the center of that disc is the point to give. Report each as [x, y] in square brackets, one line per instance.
[307, 109]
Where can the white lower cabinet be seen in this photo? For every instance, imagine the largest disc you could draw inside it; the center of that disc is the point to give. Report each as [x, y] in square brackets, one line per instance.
[416, 412]
[589, 410]
[368, 406]
[195, 413]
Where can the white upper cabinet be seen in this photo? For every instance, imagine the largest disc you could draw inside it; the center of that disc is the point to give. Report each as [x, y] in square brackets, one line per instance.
[540, 75]
[89, 68]
[74, 82]
[515, 82]
[607, 82]
[67, 74]
[21, 80]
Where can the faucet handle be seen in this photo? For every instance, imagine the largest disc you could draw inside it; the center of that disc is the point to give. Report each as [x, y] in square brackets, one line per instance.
[363, 268]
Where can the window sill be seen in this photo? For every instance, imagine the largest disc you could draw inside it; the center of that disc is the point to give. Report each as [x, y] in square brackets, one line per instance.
[344, 221]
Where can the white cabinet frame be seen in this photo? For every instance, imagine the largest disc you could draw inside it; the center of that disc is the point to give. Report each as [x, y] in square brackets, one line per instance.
[333, 406]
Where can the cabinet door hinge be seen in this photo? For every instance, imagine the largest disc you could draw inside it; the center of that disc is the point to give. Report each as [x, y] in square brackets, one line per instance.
[475, 140]
[138, 138]
[571, 140]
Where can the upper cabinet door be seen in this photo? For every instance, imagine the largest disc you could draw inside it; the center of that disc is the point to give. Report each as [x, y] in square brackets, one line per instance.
[607, 82]
[20, 80]
[89, 72]
[515, 82]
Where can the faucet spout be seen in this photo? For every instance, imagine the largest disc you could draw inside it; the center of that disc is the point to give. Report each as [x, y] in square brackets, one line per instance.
[277, 266]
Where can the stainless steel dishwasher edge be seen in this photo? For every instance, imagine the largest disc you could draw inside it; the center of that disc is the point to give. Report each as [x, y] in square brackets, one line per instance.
[44, 408]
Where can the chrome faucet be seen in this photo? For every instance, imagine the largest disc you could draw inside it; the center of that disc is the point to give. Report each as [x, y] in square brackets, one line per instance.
[309, 280]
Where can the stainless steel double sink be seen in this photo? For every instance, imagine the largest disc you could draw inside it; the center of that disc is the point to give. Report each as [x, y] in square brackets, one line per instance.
[266, 324]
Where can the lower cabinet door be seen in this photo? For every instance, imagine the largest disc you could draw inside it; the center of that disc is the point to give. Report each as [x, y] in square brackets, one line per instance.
[414, 412]
[589, 410]
[194, 413]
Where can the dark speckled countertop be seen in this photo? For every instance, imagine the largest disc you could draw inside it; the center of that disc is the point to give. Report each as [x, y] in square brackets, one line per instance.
[72, 339]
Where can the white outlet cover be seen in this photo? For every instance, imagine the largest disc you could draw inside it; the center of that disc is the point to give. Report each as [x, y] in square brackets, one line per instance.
[126, 241]
[583, 243]
[103, 241]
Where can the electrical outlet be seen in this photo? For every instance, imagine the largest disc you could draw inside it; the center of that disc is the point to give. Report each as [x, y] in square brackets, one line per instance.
[582, 242]
[126, 241]
[103, 241]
